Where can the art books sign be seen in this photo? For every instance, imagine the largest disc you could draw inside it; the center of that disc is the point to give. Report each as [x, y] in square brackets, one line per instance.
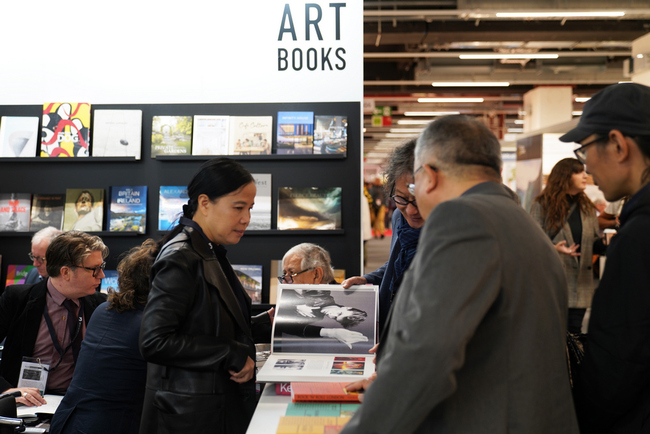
[190, 52]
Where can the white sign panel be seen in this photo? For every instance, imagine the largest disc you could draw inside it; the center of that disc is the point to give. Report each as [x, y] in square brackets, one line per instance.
[181, 52]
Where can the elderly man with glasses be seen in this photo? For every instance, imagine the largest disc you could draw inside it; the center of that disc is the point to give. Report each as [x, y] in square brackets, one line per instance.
[475, 339]
[40, 242]
[46, 321]
[612, 392]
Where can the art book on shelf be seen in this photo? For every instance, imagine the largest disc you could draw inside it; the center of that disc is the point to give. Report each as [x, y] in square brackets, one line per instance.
[16, 274]
[210, 135]
[295, 133]
[170, 205]
[117, 133]
[171, 135]
[66, 130]
[128, 209]
[84, 209]
[18, 136]
[322, 392]
[330, 134]
[250, 277]
[47, 210]
[309, 208]
[261, 212]
[109, 282]
[250, 135]
[15, 212]
[322, 333]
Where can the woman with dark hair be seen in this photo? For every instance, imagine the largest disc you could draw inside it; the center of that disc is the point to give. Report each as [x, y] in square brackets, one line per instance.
[406, 226]
[196, 328]
[107, 388]
[569, 219]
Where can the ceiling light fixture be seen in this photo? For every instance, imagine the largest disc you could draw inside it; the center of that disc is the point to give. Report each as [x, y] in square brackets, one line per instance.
[586, 14]
[582, 98]
[414, 121]
[406, 130]
[470, 84]
[401, 135]
[519, 121]
[576, 113]
[515, 130]
[450, 99]
[430, 113]
[507, 56]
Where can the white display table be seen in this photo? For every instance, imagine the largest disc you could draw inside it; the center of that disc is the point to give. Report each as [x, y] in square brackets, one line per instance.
[268, 412]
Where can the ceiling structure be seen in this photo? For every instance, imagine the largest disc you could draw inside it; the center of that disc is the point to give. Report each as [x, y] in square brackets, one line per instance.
[410, 44]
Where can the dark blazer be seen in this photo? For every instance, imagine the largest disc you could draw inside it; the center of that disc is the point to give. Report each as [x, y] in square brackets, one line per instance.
[21, 312]
[613, 390]
[107, 389]
[475, 341]
[193, 332]
[32, 276]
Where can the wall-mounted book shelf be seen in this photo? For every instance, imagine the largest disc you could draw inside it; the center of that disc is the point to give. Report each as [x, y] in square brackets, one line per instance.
[36, 175]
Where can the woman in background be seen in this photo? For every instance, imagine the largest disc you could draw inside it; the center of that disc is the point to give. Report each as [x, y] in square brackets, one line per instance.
[107, 389]
[196, 328]
[569, 219]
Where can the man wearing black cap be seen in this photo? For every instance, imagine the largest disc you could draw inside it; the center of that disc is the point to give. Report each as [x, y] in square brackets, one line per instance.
[612, 392]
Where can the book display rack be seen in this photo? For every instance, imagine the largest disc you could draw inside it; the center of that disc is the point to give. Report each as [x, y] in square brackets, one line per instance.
[47, 175]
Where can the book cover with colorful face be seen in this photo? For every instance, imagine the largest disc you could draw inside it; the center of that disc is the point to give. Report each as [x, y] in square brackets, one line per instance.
[66, 130]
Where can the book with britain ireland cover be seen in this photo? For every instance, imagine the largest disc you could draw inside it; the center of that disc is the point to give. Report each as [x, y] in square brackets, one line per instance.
[128, 209]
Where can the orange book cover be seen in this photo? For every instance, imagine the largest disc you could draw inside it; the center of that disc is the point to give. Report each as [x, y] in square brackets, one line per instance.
[322, 392]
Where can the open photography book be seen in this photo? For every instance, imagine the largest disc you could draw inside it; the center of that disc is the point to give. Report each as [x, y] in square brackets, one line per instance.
[322, 333]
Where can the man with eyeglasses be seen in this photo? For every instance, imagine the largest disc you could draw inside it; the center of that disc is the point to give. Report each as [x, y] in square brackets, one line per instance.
[40, 242]
[46, 321]
[612, 388]
[475, 340]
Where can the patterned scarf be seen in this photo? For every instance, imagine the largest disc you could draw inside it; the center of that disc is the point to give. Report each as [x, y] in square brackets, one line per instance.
[408, 240]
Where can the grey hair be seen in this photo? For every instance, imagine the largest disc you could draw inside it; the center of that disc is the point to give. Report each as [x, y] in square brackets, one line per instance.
[399, 164]
[49, 233]
[457, 142]
[312, 256]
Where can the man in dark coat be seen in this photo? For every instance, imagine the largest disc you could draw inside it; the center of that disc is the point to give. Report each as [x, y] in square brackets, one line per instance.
[612, 391]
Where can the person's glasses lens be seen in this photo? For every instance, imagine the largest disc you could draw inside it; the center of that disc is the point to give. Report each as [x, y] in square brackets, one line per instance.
[35, 258]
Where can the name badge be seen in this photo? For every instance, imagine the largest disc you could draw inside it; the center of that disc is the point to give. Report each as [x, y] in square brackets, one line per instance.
[33, 373]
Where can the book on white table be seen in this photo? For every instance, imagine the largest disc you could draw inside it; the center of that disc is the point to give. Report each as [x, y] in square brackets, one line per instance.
[322, 333]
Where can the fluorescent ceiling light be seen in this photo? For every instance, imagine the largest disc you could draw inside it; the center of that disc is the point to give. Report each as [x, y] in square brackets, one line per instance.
[414, 121]
[406, 130]
[576, 113]
[430, 113]
[519, 121]
[592, 14]
[515, 130]
[470, 84]
[450, 99]
[401, 135]
[377, 154]
[508, 56]
[582, 98]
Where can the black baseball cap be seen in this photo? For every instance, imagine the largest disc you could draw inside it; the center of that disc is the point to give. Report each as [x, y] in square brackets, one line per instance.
[624, 107]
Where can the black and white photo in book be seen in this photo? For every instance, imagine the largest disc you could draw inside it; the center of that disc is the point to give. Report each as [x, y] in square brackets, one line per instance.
[325, 319]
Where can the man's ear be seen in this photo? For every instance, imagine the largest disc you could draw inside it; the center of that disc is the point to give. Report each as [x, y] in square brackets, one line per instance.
[318, 275]
[66, 273]
[430, 178]
[622, 145]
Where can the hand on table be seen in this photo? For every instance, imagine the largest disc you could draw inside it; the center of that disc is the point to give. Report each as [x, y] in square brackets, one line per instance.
[30, 396]
[361, 385]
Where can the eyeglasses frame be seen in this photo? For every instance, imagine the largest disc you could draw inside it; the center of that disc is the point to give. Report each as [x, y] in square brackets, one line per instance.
[291, 276]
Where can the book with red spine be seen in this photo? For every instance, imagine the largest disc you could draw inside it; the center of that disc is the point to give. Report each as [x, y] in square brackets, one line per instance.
[322, 392]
